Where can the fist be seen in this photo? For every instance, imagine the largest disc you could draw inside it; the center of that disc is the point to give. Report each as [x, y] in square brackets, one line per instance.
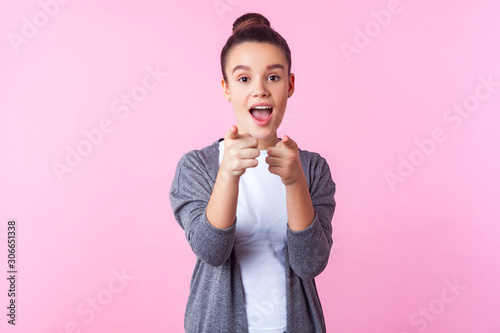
[284, 161]
[240, 152]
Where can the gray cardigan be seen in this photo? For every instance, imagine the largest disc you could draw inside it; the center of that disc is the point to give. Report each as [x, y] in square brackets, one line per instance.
[216, 302]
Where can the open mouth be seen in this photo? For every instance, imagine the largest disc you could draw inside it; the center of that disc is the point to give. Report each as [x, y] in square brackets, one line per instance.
[261, 114]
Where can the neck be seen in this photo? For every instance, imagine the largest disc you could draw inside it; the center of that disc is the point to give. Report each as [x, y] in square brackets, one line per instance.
[265, 143]
[269, 142]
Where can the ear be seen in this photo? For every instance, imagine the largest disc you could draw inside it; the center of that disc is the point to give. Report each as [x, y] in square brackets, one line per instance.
[291, 84]
[225, 89]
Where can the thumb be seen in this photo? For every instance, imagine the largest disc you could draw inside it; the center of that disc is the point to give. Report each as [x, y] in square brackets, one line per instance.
[232, 133]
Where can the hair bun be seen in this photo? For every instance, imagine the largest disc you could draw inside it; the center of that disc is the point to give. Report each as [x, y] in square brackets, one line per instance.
[250, 19]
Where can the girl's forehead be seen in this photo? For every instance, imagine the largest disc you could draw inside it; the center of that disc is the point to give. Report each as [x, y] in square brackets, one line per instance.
[256, 47]
[256, 54]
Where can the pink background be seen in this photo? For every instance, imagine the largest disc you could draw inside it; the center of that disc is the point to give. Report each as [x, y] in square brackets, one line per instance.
[371, 111]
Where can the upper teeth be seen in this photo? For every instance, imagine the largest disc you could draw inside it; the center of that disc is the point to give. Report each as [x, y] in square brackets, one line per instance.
[261, 107]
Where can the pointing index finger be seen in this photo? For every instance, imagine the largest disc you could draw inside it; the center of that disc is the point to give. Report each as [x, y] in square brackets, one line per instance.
[288, 142]
[232, 133]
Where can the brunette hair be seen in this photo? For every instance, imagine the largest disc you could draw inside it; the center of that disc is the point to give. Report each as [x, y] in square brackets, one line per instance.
[253, 27]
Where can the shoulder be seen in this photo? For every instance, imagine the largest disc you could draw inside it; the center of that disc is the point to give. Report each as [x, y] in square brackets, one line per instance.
[309, 155]
[316, 168]
[312, 160]
[197, 169]
[207, 156]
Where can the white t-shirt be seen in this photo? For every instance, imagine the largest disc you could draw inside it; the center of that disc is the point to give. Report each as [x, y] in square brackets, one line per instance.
[261, 223]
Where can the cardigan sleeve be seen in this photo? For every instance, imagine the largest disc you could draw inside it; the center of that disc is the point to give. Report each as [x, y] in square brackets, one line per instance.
[189, 195]
[309, 249]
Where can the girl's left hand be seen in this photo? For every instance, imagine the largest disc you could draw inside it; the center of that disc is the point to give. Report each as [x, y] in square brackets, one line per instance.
[284, 161]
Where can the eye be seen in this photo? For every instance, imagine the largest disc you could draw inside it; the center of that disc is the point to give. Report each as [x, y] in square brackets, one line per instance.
[243, 79]
[273, 77]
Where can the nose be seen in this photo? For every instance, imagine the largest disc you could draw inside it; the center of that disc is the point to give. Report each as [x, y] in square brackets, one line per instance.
[260, 89]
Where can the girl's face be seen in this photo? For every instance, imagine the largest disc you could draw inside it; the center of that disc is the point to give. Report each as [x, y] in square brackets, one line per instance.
[257, 75]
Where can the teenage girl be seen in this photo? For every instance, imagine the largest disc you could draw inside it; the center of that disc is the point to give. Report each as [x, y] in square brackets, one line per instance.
[256, 209]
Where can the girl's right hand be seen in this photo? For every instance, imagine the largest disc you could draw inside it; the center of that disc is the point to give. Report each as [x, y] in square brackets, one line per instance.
[240, 152]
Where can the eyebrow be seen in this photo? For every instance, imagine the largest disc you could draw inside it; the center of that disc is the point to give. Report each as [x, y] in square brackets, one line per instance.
[248, 67]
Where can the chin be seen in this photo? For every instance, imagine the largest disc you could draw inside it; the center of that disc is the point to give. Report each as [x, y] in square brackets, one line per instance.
[262, 133]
